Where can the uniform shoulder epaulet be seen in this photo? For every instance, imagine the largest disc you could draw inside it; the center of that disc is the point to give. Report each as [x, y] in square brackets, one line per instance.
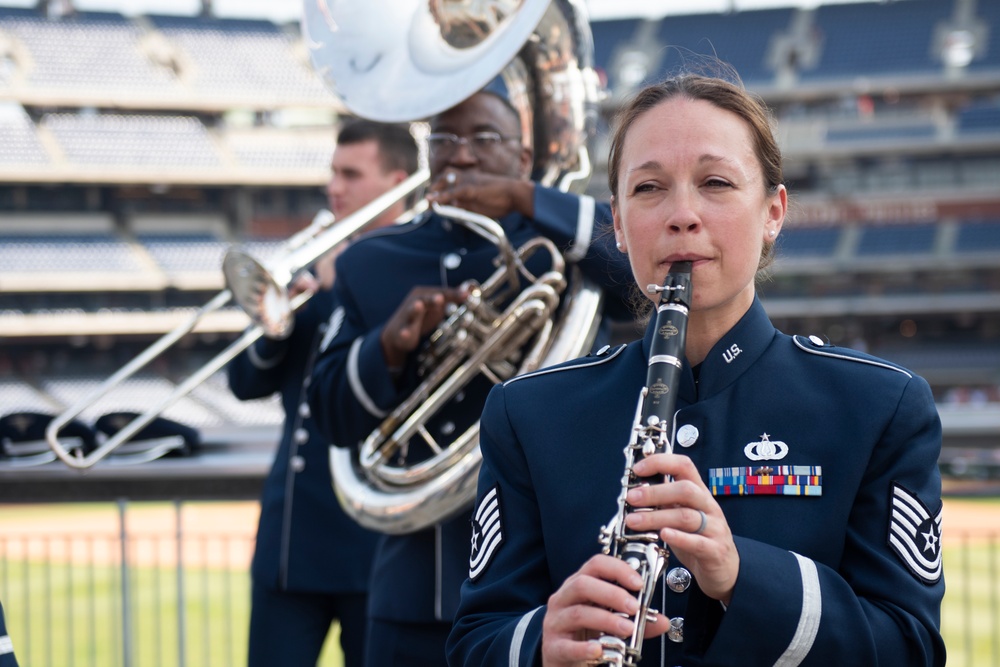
[603, 355]
[819, 347]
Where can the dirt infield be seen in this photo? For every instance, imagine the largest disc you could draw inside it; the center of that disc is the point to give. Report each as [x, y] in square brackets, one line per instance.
[971, 518]
[221, 533]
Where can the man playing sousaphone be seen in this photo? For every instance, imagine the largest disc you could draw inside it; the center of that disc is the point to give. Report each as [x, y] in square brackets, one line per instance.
[392, 290]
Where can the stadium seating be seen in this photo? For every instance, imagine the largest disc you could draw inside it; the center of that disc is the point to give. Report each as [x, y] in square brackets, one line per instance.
[184, 134]
[988, 58]
[803, 242]
[857, 39]
[897, 239]
[741, 39]
[979, 117]
[978, 236]
[87, 52]
[132, 141]
[241, 59]
[94, 252]
[178, 253]
[19, 139]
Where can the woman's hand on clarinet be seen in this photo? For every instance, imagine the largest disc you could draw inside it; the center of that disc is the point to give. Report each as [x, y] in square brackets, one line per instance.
[590, 603]
[689, 520]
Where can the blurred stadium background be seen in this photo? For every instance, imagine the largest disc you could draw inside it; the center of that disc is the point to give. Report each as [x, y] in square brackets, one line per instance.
[134, 150]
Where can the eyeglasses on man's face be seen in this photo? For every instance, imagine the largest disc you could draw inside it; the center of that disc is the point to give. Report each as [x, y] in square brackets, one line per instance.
[443, 144]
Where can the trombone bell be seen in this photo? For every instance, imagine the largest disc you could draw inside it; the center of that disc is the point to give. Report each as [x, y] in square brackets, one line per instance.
[261, 295]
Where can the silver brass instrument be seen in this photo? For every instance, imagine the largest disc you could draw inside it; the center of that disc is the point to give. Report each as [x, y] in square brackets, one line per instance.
[478, 338]
[651, 434]
[260, 289]
[403, 60]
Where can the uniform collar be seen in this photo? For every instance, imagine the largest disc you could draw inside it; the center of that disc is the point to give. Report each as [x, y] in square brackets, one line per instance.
[729, 358]
[460, 234]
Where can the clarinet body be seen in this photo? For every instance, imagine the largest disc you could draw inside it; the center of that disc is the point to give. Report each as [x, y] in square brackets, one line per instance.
[651, 434]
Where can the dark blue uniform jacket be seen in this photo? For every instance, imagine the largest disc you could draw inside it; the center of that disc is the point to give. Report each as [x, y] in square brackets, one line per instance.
[839, 558]
[417, 576]
[7, 658]
[305, 542]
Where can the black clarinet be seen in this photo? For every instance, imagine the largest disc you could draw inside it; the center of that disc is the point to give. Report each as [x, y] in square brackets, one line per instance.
[651, 434]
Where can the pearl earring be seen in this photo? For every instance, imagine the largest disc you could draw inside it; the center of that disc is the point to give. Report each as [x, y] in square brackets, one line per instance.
[620, 246]
[772, 233]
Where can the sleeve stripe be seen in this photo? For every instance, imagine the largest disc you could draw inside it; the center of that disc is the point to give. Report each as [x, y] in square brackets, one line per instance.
[487, 554]
[486, 504]
[354, 378]
[907, 526]
[518, 638]
[261, 363]
[912, 506]
[907, 550]
[584, 229]
[6, 645]
[491, 543]
[812, 612]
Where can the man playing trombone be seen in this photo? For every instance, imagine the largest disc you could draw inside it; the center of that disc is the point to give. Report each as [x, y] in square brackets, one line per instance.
[311, 562]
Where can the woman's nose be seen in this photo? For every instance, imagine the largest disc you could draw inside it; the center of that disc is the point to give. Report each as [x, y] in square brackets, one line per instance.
[684, 216]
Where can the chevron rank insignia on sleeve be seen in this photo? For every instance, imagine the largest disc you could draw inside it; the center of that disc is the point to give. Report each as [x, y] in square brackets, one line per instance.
[915, 535]
[487, 533]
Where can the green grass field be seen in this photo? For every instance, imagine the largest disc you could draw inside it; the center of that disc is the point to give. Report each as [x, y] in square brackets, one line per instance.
[74, 616]
[62, 615]
[970, 614]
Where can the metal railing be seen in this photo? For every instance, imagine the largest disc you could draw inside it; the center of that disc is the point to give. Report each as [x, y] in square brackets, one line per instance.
[127, 598]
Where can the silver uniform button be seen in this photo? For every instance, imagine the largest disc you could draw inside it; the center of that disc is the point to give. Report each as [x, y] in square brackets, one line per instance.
[676, 631]
[448, 428]
[678, 579]
[687, 435]
[817, 341]
[304, 410]
[301, 436]
[298, 464]
[452, 261]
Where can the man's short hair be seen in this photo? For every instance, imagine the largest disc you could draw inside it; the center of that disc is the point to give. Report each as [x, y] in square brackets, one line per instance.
[396, 146]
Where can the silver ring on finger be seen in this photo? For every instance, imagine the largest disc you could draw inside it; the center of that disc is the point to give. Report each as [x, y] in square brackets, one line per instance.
[704, 523]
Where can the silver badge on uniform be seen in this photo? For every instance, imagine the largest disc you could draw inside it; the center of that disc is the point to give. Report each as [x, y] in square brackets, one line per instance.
[915, 535]
[766, 449]
[487, 533]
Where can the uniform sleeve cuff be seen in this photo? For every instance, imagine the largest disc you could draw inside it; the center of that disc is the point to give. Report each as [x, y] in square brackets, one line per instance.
[567, 219]
[265, 353]
[369, 376]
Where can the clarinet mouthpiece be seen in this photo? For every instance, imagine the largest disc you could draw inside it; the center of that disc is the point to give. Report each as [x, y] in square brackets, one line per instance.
[680, 267]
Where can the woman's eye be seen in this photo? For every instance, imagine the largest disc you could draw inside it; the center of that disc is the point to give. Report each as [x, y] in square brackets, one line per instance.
[718, 183]
[644, 187]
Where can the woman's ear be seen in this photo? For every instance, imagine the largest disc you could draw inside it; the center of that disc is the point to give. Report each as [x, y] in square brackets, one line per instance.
[619, 232]
[776, 210]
